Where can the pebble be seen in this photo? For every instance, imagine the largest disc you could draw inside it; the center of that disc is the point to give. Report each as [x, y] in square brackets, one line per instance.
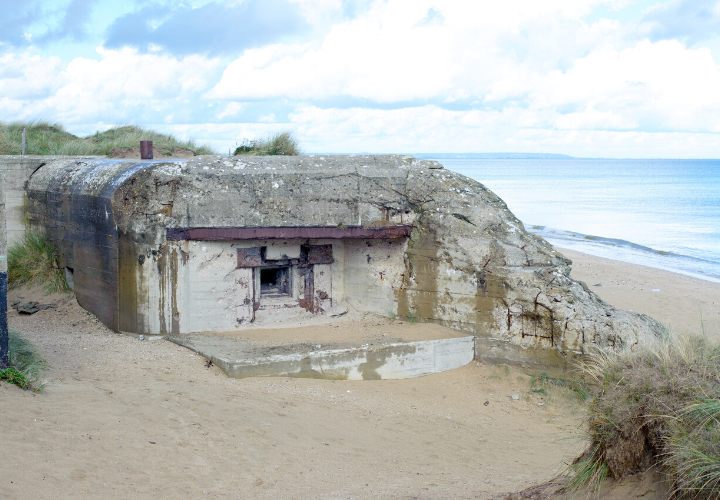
[514, 396]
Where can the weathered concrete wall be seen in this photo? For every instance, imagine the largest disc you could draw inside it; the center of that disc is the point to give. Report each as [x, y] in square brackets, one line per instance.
[469, 263]
[72, 199]
[374, 272]
[17, 171]
[192, 286]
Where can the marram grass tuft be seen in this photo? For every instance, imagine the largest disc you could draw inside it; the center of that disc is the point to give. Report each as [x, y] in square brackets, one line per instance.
[33, 260]
[26, 364]
[655, 406]
[278, 144]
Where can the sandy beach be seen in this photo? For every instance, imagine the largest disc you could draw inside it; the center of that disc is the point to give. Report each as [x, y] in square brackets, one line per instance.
[679, 302]
[125, 418]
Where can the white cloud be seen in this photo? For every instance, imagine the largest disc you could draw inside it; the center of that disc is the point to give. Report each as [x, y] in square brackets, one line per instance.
[85, 88]
[232, 109]
[664, 84]
[320, 13]
[406, 75]
[125, 73]
[27, 76]
[433, 129]
[388, 54]
[538, 57]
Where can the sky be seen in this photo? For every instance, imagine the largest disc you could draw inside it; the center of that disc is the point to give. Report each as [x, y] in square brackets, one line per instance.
[587, 78]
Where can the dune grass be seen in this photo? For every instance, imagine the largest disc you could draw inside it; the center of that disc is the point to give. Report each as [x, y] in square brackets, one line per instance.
[26, 365]
[543, 383]
[51, 139]
[33, 260]
[280, 144]
[656, 406]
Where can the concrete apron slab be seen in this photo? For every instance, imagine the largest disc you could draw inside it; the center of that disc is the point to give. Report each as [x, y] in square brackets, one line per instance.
[382, 362]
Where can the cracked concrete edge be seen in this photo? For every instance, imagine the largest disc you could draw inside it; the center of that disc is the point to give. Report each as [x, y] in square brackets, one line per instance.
[389, 362]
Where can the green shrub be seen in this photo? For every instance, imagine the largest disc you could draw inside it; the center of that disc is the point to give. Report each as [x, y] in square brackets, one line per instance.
[655, 406]
[26, 365]
[33, 260]
[12, 376]
[280, 144]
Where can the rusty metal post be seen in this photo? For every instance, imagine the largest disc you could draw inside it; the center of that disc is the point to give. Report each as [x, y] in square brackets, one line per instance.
[146, 150]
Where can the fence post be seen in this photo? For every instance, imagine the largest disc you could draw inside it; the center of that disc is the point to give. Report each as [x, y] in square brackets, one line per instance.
[4, 339]
[23, 144]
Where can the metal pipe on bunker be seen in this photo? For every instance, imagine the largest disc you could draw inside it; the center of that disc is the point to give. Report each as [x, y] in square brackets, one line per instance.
[146, 150]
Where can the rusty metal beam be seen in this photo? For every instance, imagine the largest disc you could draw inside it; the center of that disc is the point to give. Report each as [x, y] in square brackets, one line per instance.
[286, 233]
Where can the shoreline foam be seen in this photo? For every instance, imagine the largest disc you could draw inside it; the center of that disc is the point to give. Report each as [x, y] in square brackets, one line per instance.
[631, 253]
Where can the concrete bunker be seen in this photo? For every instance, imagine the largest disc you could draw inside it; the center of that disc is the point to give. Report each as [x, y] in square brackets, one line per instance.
[214, 243]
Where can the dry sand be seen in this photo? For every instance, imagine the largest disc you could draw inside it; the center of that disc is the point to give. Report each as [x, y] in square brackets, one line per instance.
[677, 301]
[125, 418]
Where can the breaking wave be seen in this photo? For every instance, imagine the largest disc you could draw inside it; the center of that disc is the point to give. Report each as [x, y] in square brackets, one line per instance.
[628, 251]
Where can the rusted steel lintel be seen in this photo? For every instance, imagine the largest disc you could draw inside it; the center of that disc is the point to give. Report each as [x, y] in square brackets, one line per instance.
[286, 233]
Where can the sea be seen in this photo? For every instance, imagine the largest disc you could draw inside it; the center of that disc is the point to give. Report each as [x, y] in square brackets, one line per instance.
[658, 213]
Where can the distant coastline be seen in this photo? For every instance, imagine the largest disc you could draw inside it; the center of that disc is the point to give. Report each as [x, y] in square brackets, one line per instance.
[492, 156]
[469, 156]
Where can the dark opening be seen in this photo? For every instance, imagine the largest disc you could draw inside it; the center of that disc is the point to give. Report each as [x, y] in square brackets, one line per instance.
[70, 277]
[275, 281]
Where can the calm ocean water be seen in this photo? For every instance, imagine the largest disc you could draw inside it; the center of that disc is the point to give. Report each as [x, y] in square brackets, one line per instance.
[658, 213]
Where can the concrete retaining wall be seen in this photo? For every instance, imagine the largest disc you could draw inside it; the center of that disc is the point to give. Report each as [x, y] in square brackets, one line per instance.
[17, 171]
[387, 362]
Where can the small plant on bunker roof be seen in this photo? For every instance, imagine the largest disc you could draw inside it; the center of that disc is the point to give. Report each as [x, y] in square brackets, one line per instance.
[281, 143]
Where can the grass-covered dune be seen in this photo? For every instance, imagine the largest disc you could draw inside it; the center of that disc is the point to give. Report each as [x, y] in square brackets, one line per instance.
[657, 406]
[43, 138]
